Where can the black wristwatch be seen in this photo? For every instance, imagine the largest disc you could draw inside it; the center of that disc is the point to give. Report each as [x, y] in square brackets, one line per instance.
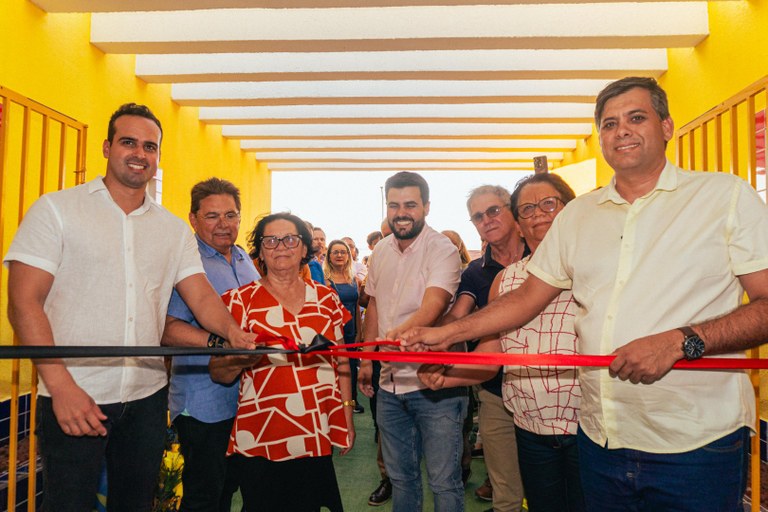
[215, 341]
[693, 345]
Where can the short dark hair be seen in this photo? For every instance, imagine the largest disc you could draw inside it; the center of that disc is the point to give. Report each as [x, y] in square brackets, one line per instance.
[563, 189]
[619, 87]
[408, 179]
[211, 187]
[131, 109]
[254, 237]
[373, 236]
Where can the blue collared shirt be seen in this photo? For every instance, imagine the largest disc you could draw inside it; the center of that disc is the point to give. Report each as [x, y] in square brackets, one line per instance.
[192, 391]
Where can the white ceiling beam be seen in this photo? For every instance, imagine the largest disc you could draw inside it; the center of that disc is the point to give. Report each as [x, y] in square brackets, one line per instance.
[384, 92]
[608, 25]
[409, 130]
[479, 112]
[402, 166]
[410, 144]
[179, 5]
[414, 156]
[404, 65]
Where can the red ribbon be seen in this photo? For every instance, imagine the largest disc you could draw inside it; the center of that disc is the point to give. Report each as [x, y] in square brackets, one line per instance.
[503, 359]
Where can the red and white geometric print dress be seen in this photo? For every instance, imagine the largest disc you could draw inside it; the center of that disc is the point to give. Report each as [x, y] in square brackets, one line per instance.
[290, 405]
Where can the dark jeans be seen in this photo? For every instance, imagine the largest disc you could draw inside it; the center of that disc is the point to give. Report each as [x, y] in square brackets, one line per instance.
[307, 484]
[549, 468]
[712, 477]
[208, 482]
[133, 448]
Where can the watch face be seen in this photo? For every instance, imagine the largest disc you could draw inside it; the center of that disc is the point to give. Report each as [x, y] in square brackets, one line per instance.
[693, 347]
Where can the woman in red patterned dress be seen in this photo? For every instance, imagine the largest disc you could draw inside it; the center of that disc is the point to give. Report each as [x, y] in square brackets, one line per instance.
[293, 409]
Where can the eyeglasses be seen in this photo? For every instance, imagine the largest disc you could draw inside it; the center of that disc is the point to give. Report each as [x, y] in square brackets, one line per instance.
[289, 241]
[340, 252]
[229, 217]
[546, 205]
[491, 212]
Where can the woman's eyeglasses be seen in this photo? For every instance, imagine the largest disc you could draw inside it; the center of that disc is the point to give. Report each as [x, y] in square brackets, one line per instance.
[289, 241]
[546, 205]
[340, 252]
[491, 212]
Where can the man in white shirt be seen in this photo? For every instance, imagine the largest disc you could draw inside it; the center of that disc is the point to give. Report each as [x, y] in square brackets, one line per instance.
[658, 262]
[95, 265]
[411, 280]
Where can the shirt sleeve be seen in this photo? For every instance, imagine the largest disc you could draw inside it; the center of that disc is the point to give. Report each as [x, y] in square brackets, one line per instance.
[177, 308]
[39, 240]
[190, 262]
[747, 230]
[547, 263]
[444, 265]
[467, 285]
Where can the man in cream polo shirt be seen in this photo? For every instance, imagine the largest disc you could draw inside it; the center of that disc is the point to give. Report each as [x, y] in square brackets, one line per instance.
[658, 261]
[95, 265]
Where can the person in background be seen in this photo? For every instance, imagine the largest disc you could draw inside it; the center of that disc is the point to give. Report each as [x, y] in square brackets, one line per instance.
[456, 240]
[359, 269]
[489, 211]
[544, 402]
[202, 410]
[293, 408]
[80, 271]
[318, 243]
[313, 269]
[413, 277]
[373, 238]
[339, 276]
[383, 491]
[466, 457]
[677, 250]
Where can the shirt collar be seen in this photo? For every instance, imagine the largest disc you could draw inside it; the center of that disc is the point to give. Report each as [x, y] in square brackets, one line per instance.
[97, 185]
[209, 252]
[667, 181]
[488, 256]
[414, 245]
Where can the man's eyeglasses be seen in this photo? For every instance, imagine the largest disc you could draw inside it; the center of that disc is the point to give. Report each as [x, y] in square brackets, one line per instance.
[546, 205]
[289, 241]
[491, 212]
[340, 252]
[229, 217]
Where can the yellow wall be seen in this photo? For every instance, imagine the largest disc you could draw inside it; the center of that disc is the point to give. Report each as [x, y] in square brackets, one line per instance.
[48, 58]
[732, 57]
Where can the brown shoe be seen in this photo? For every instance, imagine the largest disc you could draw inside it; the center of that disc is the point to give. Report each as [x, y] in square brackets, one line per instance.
[382, 493]
[485, 491]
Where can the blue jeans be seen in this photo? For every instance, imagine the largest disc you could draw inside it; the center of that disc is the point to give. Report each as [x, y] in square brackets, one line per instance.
[712, 477]
[549, 467]
[133, 448]
[427, 422]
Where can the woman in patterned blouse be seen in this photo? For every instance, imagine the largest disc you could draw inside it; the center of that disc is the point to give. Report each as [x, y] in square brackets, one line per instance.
[544, 401]
[293, 409]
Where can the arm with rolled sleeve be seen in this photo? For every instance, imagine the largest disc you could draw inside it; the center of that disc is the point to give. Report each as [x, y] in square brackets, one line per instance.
[33, 260]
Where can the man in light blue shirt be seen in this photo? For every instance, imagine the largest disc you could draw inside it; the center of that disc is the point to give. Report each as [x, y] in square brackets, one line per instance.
[202, 410]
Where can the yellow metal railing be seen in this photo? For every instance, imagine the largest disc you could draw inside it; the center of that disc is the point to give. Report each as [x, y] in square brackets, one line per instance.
[41, 150]
[704, 144]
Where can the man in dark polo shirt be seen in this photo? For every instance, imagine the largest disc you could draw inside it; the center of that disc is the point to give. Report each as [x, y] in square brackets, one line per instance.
[489, 211]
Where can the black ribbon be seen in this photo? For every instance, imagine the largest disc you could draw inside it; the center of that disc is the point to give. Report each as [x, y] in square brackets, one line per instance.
[318, 343]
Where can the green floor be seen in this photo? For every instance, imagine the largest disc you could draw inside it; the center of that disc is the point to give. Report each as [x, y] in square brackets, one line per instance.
[358, 474]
